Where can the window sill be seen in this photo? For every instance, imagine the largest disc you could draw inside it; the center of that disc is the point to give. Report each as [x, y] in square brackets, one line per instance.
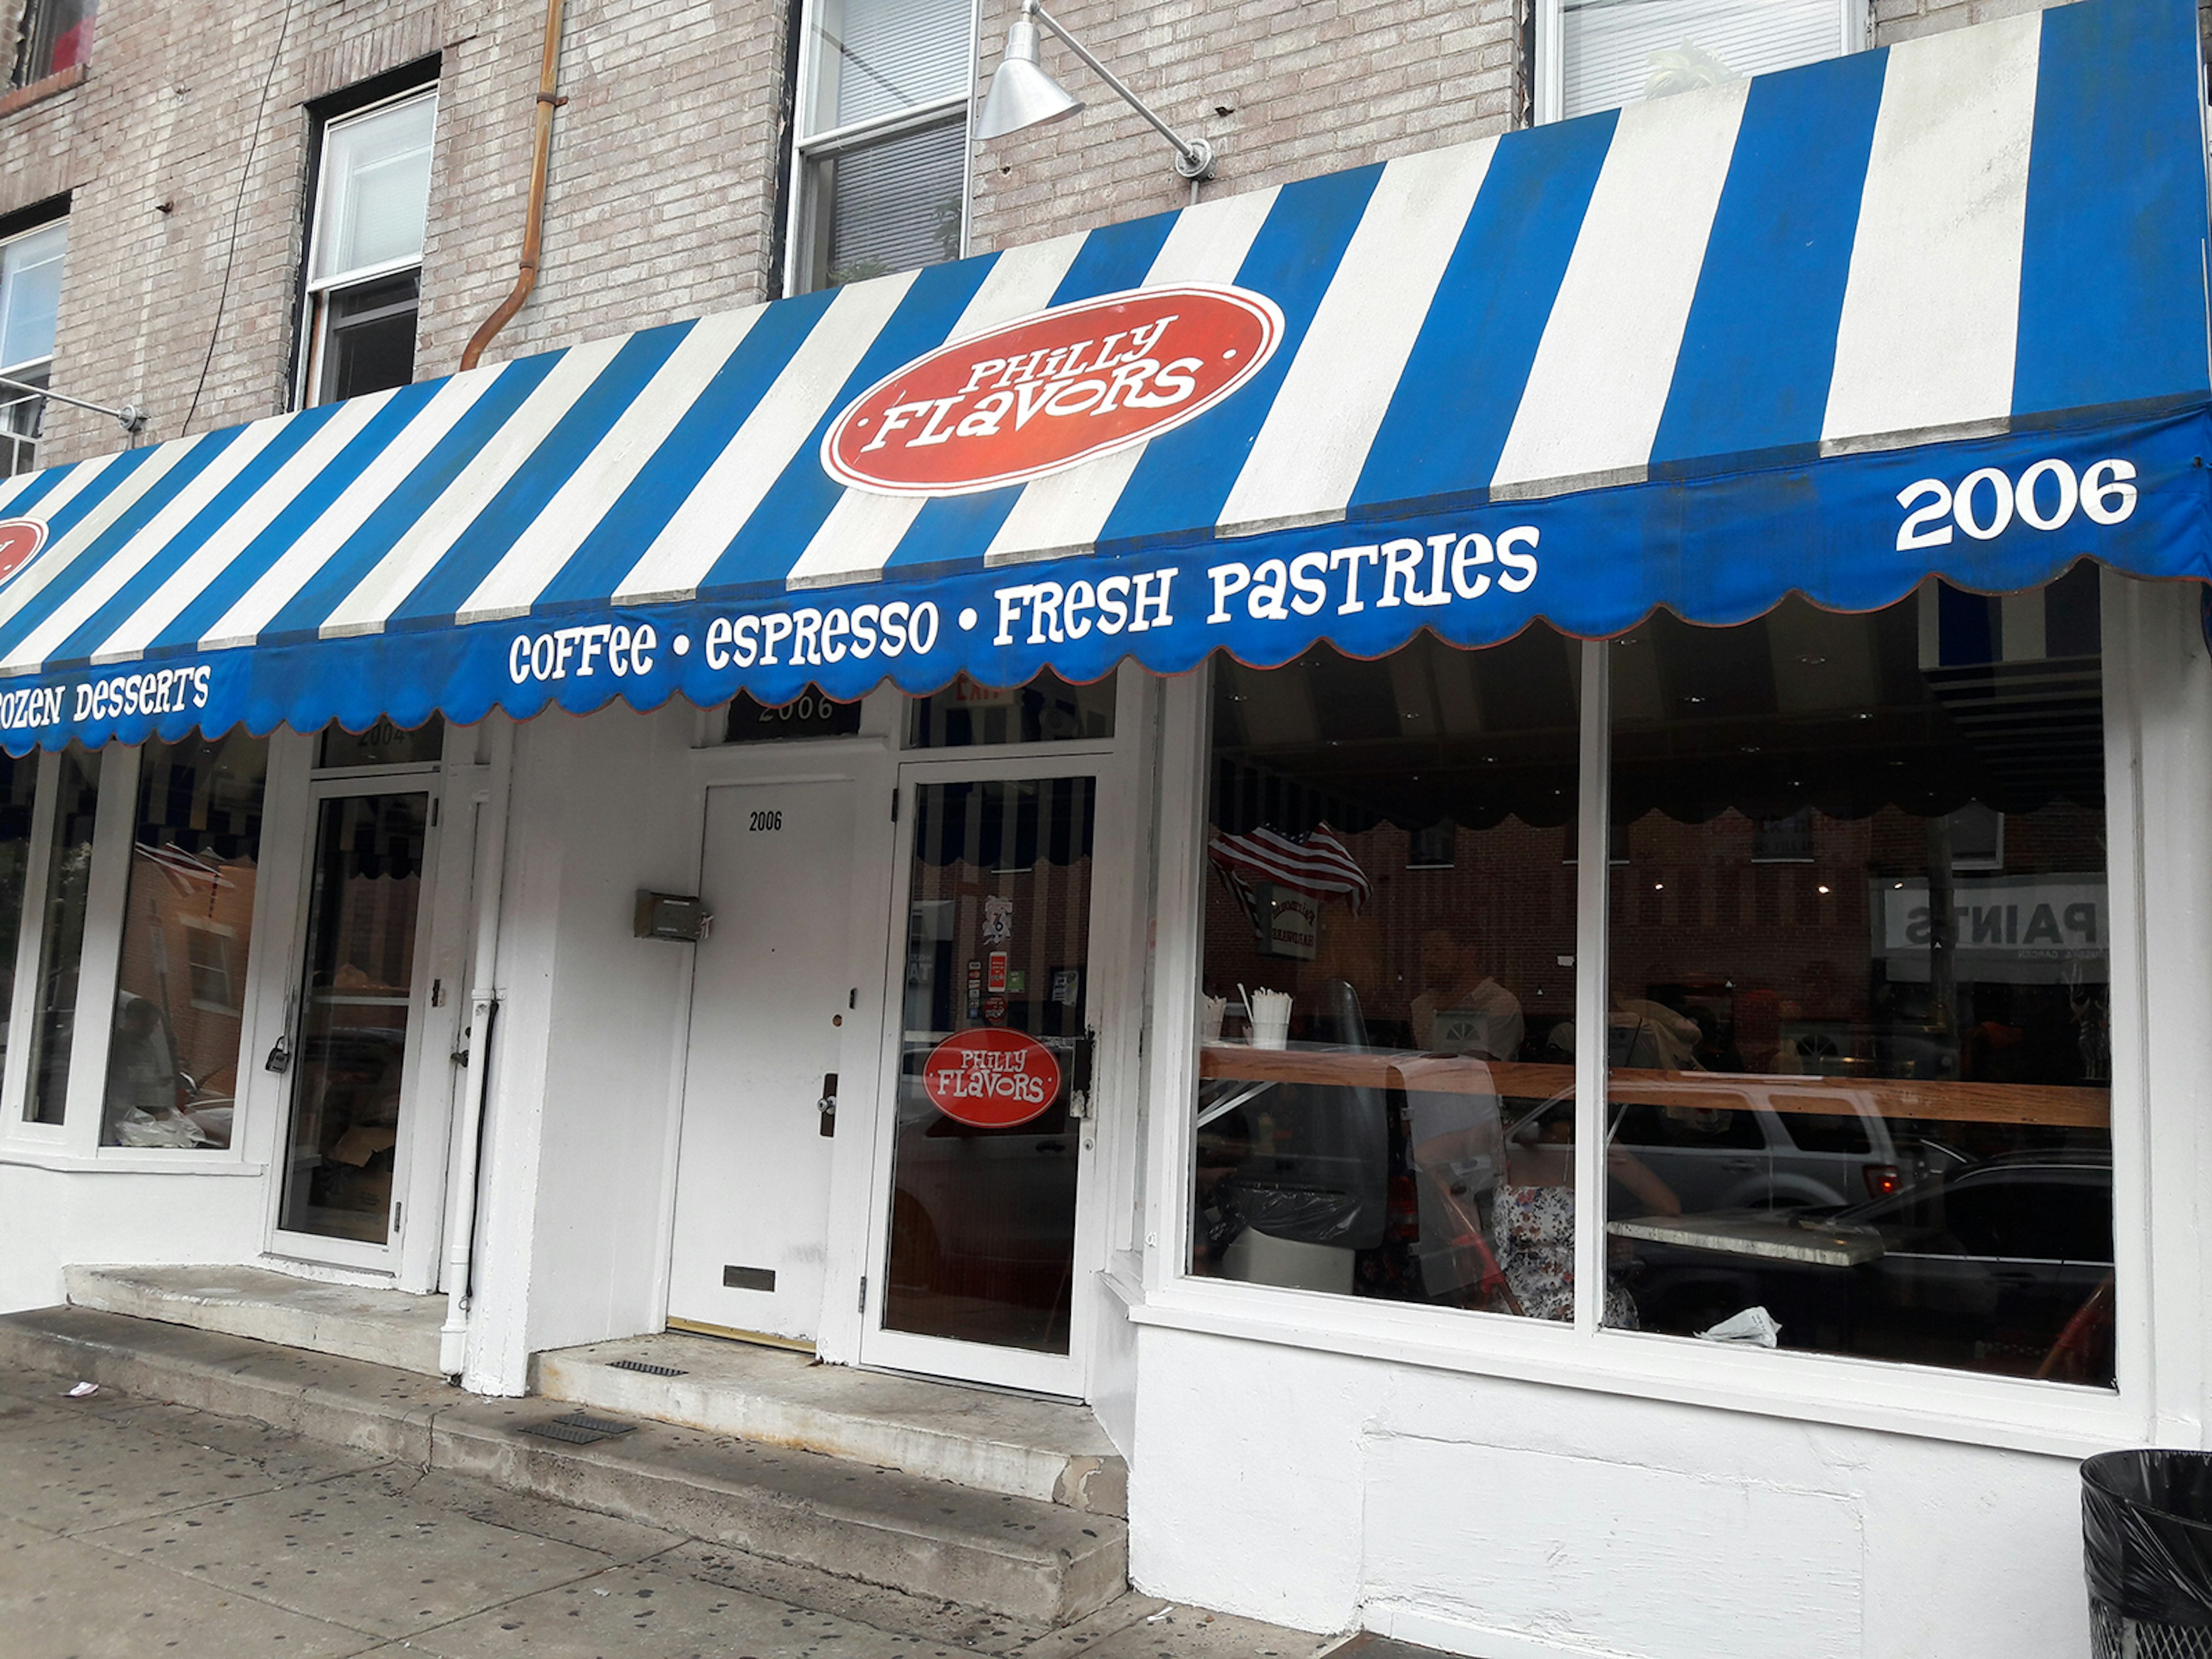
[2019, 1414]
[122, 1162]
[39, 91]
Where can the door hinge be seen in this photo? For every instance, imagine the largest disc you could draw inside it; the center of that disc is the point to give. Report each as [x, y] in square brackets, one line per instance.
[398, 1213]
[861, 1306]
[434, 811]
[895, 795]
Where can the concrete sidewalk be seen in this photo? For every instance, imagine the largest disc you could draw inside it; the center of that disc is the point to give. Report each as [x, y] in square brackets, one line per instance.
[130, 1529]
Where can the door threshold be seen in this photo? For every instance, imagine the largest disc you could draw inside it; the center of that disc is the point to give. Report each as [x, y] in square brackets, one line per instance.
[950, 1381]
[732, 1334]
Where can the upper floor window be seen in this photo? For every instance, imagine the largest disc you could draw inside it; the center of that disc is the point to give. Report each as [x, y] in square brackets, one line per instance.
[364, 256]
[1599, 54]
[880, 171]
[49, 36]
[30, 295]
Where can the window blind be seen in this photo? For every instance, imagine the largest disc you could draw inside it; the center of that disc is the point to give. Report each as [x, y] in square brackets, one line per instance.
[878, 58]
[896, 205]
[375, 189]
[1617, 51]
[30, 294]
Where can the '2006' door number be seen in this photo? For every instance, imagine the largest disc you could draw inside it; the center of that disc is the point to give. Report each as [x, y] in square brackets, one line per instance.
[768, 820]
[1986, 501]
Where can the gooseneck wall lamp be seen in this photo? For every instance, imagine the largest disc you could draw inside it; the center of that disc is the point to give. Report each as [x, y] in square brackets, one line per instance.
[1022, 96]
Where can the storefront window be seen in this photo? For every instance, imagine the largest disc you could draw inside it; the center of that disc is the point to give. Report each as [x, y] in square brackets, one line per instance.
[1860, 1042]
[187, 930]
[1385, 1105]
[1046, 710]
[61, 945]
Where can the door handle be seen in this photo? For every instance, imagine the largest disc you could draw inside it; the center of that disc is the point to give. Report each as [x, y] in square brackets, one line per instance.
[828, 1104]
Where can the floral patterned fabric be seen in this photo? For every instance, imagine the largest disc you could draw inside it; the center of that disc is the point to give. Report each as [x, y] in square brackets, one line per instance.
[1536, 1230]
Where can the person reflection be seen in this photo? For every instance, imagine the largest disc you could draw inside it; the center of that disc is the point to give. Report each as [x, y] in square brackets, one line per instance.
[1535, 1216]
[1462, 1009]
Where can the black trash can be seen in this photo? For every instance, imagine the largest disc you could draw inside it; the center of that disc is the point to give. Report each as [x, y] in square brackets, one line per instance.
[2147, 1546]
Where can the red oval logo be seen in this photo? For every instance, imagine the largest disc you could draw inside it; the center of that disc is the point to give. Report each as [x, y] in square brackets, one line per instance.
[1052, 390]
[991, 1078]
[19, 539]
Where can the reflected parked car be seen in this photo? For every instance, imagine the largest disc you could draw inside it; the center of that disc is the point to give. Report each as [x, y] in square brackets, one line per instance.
[2003, 1265]
[1723, 1142]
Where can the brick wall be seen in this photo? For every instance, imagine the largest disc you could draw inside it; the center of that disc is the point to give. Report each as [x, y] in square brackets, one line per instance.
[660, 203]
[1283, 88]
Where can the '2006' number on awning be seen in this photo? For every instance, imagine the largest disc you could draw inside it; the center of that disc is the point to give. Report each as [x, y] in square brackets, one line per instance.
[2044, 497]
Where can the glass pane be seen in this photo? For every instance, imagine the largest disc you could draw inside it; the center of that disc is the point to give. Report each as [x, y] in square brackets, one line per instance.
[61, 948]
[30, 295]
[187, 930]
[1861, 1027]
[369, 338]
[809, 714]
[1617, 51]
[891, 206]
[350, 1052]
[983, 1234]
[382, 745]
[375, 190]
[878, 58]
[1046, 710]
[19, 784]
[22, 414]
[55, 35]
[1386, 1103]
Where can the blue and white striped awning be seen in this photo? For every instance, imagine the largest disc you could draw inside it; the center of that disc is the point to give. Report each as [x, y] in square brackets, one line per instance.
[1939, 307]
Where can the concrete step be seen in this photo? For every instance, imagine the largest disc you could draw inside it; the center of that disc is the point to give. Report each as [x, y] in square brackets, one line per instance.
[1018, 1556]
[387, 1327]
[1013, 1444]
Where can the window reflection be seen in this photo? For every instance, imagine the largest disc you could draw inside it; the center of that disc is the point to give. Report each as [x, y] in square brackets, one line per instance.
[61, 948]
[1859, 948]
[187, 930]
[1386, 1103]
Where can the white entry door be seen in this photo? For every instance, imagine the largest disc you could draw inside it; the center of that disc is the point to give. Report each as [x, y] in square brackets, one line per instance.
[772, 997]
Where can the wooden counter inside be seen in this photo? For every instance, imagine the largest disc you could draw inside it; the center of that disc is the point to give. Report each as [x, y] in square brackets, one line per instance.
[2054, 1105]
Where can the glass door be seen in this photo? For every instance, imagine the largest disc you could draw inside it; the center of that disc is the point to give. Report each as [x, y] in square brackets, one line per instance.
[348, 1042]
[984, 1145]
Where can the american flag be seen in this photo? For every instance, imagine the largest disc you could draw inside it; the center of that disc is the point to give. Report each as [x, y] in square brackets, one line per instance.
[1316, 863]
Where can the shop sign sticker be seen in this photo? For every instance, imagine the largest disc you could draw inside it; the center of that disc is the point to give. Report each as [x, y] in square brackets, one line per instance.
[1052, 390]
[991, 1079]
[20, 539]
[997, 920]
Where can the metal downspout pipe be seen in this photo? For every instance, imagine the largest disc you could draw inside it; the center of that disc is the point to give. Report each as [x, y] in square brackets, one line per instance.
[490, 800]
[533, 234]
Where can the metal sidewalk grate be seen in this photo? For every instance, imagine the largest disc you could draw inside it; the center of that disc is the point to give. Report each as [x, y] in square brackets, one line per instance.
[565, 1431]
[649, 1368]
[602, 1426]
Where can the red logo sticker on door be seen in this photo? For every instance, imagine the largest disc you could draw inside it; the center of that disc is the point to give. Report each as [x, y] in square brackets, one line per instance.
[19, 539]
[1052, 390]
[991, 1079]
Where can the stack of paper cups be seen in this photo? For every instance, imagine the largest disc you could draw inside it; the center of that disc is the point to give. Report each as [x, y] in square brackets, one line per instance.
[1271, 1019]
[1211, 1011]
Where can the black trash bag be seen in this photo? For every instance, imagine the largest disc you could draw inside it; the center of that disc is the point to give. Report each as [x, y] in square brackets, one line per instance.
[2147, 1534]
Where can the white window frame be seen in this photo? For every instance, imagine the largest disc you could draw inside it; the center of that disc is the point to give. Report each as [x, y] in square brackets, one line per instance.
[74, 1142]
[318, 291]
[2155, 1388]
[1854, 23]
[799, 277]
[25, 446]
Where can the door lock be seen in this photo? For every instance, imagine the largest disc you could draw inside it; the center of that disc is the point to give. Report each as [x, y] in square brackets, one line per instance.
[828, 1104]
